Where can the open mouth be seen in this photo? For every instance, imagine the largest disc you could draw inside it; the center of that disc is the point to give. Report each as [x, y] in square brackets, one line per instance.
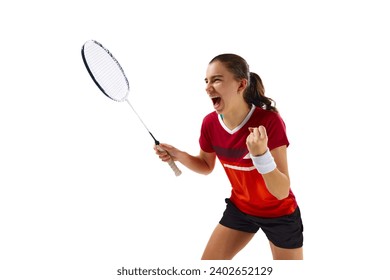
[216, 100]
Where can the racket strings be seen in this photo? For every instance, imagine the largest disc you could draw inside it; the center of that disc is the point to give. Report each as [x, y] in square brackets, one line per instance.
[107, 72]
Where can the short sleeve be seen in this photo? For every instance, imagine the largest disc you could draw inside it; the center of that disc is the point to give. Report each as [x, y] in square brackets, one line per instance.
[205, 136]
[276, 132]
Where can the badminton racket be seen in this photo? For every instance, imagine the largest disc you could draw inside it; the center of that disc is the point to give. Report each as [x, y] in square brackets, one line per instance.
[110, 78]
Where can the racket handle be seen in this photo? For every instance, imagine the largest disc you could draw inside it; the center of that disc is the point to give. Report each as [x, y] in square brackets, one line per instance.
[174, 167]
[171, 163]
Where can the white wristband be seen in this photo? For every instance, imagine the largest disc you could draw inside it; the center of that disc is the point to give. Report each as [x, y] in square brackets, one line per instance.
[264, 163]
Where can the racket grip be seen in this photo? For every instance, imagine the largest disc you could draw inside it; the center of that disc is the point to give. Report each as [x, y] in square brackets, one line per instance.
[174, 167]
[171, 163]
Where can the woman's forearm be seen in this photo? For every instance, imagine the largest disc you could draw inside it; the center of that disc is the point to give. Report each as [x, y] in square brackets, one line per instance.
[278, 184]
[195, 163]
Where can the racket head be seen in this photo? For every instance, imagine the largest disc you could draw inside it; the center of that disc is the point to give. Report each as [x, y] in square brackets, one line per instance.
[105, 70]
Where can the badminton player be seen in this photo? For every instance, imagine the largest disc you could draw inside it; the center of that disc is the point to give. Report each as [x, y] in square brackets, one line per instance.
[248, 136]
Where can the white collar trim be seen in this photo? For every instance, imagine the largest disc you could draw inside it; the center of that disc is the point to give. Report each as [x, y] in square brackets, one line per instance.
[237, 128]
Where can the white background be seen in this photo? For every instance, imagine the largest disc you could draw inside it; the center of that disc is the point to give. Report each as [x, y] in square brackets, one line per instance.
[81, 190]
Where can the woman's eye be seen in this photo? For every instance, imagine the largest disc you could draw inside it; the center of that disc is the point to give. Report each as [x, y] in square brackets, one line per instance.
[213, 80]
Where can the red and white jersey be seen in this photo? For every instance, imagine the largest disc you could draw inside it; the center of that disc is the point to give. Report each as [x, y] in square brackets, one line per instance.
[249, 191]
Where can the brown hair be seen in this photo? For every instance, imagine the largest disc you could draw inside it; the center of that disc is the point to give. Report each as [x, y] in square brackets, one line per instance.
[254, 92]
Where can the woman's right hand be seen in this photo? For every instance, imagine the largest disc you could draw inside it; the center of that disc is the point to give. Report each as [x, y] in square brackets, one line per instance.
[203, 163]
[166, 152]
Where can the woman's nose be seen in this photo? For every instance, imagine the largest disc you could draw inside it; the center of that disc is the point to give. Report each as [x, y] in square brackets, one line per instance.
[208, 88]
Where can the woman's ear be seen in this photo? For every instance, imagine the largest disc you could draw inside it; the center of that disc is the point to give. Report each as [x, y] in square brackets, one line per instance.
[242, 86]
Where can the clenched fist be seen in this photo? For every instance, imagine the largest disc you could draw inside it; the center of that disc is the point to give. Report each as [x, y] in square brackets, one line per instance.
[257, 141]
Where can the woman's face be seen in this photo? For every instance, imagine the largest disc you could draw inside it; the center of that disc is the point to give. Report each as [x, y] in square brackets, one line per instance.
[223, 89]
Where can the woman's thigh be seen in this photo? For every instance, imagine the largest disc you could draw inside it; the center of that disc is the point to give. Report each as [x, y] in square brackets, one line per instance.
[286, 254]
[225, 243]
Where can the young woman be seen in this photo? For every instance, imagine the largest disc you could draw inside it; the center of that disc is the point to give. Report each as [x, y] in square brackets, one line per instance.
[248, 136]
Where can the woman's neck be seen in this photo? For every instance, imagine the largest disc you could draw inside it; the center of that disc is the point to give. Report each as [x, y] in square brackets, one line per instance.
[236, 117]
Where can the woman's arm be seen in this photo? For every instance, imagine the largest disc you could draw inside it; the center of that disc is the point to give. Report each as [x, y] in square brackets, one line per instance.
[277, 180]
[203, 163]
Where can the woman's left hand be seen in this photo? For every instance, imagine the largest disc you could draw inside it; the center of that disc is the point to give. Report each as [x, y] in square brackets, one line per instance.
[257, 141]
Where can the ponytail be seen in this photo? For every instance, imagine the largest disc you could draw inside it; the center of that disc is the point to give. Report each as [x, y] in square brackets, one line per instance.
[254, 94]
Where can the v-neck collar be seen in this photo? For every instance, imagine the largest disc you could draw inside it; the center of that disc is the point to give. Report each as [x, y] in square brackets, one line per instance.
[237, 128]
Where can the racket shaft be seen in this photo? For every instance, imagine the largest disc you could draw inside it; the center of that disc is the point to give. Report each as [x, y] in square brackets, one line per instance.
[171, 163]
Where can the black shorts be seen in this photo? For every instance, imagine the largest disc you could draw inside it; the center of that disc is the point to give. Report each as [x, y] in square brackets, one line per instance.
[284, 232]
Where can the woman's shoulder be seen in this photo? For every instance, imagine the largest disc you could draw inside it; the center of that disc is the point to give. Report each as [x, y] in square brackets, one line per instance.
[268, 118]
[260, 112]
[211, 117]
